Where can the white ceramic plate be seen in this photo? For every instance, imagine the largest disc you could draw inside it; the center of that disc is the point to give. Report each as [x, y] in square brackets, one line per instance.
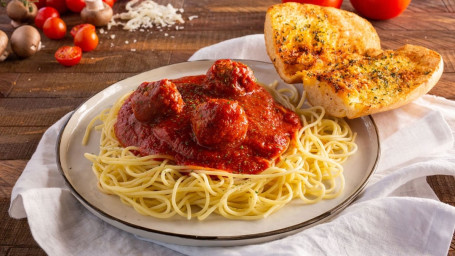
[216, 230]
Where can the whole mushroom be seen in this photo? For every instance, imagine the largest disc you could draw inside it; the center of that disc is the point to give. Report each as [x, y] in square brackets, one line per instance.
[21, 11]
[3, 46]
[96, 12]
[25, 41]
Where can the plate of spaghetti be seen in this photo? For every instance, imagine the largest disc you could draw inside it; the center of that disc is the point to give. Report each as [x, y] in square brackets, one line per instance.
[213, 153]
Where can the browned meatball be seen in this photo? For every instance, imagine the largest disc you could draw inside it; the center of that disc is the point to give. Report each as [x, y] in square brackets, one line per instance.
[228, 78]
[219, 123]
[156, 99]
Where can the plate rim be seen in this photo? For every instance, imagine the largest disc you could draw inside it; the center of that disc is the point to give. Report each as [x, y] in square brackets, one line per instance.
[307, 223]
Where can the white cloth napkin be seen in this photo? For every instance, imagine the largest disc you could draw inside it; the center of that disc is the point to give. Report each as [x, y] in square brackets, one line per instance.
[397, 214]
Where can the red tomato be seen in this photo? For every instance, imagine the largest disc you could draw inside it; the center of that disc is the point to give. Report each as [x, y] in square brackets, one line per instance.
[76, 28]
[54, 28]
[68, 55]
[330, 3]
[86, 38]
[75, 5]
[380, 9]
[109, 2]
[60, 5]
[43, 14]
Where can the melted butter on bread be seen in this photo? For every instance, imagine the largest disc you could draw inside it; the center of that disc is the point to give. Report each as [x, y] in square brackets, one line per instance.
[365, 85]
[338, 56]
[305, 37]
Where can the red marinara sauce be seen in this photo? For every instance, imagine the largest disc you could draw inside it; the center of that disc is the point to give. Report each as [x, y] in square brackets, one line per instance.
[222, 120]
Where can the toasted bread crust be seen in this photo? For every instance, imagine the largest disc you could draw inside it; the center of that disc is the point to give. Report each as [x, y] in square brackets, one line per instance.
[307, 37]
[374, 84]
[338, 57]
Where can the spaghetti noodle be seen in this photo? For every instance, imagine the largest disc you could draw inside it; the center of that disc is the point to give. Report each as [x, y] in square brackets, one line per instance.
[310, 170]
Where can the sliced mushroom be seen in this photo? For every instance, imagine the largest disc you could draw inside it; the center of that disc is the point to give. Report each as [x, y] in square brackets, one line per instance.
[3, 46]
[25, 41]
[96, 12]
[21, 12]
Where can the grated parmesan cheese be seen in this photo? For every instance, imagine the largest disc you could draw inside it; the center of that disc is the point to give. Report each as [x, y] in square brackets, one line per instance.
[146, 14]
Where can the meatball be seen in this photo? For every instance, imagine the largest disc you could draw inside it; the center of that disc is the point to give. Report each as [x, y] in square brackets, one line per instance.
[229, 78]
[156, 99]
[219, 123]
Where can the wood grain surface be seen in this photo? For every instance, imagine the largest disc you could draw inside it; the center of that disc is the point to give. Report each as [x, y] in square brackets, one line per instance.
[36, 92]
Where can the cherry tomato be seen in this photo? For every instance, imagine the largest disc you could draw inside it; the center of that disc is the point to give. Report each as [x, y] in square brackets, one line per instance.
[76, 28]
[54, 28]
[75, 5]
[43, 14]
[109, 2]
[68, 55]
[330, 3]
[60, 5]
[86, 38]
[380, 9]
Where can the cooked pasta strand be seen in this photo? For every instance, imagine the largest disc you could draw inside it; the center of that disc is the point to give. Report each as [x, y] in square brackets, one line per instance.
[310, 170]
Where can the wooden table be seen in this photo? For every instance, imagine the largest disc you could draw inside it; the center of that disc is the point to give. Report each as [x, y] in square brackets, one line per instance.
[36, 92]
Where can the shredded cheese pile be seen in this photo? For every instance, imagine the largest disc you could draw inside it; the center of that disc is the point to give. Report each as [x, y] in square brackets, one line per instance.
[146, 14]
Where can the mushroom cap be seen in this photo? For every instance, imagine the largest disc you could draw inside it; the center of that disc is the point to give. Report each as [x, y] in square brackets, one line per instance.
[3, 45]
[16, 10]
[19, 12]
[99, 17]
[33, 10]
[25, 41]
[3, 41]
